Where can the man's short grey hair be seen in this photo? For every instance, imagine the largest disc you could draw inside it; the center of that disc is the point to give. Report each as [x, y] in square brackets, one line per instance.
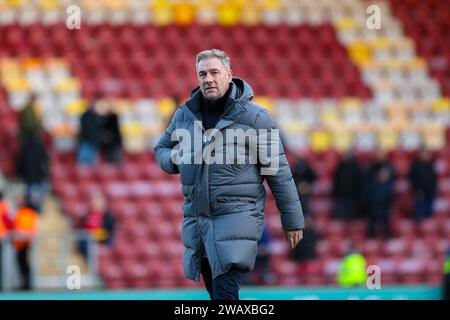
[214, 53]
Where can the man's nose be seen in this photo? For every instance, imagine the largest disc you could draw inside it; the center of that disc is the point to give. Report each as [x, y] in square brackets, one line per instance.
[208, 78]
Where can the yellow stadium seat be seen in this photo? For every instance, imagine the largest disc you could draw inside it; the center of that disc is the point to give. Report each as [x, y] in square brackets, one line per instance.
[68, 85]
[381, 43]
[329, 117]
[342, 139]
[89, 5]
[350, 104]
[19, 83]
[270, 4]
[166, 107]
[134, 137]
[394, 63]
[132, 129]
[294, 127]
[264, 102]
[4, 5]
[121, 106]
[433, 135]
[320, 140]
[183, 13]
[77, 107]
[388, 137]
[250, 14]
[441, 105]
[93, 5]
[271, 11]
[9, 68]
[116, 5]
[346, 23]
[228, 14]
[360, 53]
[161, 12]
[9, 63]
[17, 3]
[49, 4]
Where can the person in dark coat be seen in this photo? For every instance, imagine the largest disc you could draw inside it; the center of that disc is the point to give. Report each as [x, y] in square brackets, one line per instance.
[379, 196]
[110, 137]
[89, 135]
[33, 167]
[223, 217]
[304, 177]
[423, 180]
[29, 120]
[347, 186]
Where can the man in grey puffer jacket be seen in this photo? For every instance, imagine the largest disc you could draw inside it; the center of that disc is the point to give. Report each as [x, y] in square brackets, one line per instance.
[222, 179]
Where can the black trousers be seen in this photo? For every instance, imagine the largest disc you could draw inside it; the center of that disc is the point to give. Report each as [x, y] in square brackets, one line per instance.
[24, 267]
[223, 287]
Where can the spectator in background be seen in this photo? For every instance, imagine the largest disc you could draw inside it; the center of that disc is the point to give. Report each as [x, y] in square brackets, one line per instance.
[379, 193]
[33, 167]
[89, 135]
[5, 226]
[347, 186]
[110, 136]
[307, 251]
[99, 132]
[352, 269]
[304, 177]
[99, 223]
[29, 120]
[423, 180]
[25, 228]
[447, 275]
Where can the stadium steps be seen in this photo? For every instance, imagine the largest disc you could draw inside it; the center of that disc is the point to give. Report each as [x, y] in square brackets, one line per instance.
[55, 247]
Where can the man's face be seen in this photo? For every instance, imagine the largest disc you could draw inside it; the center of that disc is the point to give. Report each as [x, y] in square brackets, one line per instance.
[214, 79]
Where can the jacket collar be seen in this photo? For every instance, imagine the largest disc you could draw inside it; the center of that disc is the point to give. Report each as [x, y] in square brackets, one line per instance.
[233, 107]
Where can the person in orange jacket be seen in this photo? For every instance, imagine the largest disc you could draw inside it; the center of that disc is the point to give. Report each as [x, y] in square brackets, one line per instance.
[25, 227]
[5, 226]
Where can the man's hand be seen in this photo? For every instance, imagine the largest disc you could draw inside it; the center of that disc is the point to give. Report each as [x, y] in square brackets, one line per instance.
[294, 238]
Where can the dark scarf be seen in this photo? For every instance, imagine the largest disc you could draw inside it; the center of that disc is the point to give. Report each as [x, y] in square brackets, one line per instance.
[212, 110]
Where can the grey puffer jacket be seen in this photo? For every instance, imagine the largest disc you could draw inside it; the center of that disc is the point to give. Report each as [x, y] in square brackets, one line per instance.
[223, 213]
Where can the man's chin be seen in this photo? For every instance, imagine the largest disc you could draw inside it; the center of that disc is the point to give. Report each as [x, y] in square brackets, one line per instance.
[211, 97]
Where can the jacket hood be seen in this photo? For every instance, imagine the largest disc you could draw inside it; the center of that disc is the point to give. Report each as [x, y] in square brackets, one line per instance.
[241, 92]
